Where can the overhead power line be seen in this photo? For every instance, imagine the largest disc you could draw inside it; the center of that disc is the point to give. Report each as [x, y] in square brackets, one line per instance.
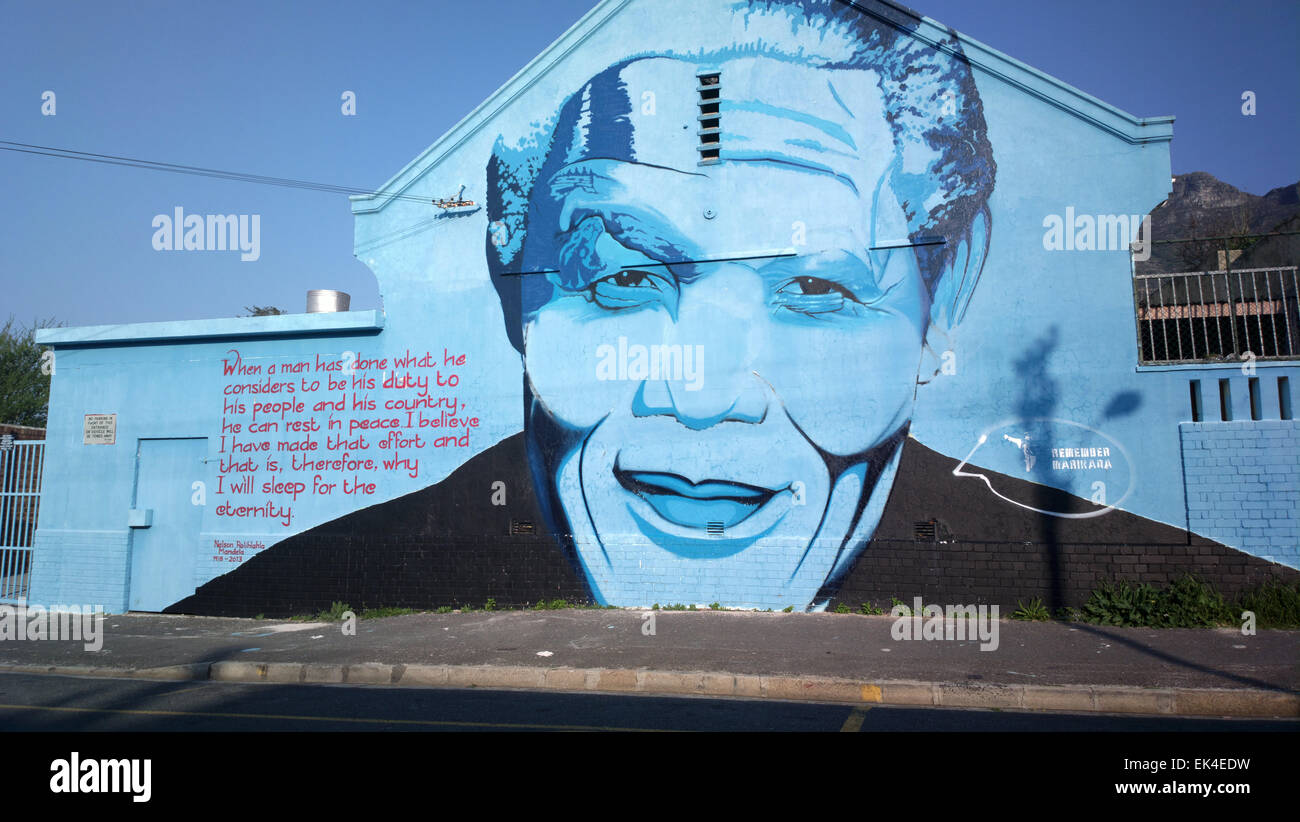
[198, 171]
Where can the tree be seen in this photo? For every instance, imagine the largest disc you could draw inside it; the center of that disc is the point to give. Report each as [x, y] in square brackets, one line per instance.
[24, 375]
[1200, 254]
[262, 310]
[1194, 252]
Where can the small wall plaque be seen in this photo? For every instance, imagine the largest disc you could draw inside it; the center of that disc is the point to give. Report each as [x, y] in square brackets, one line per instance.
[100, 429]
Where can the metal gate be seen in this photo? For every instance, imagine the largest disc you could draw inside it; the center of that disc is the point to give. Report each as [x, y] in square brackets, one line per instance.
[20, 496]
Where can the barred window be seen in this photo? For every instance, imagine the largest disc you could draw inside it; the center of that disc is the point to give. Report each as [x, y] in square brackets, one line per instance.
[1217, 316]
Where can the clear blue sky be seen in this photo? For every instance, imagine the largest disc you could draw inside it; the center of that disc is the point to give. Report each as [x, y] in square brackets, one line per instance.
[255, 86]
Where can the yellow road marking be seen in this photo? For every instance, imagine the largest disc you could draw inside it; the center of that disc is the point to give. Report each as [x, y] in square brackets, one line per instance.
[429, 722]
[853, 722]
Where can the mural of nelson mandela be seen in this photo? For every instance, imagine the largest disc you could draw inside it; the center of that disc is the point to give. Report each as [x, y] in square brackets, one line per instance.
[726, 271]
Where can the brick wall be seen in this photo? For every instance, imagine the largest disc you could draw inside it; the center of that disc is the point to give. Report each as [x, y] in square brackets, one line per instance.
[1061, 574]
[408, 552]
[81, 568]
[998, 554]
[377, 569]
[22, 432]
[1243, 485]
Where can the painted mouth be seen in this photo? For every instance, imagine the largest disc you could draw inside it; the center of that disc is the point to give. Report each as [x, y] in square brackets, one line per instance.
[695, 504]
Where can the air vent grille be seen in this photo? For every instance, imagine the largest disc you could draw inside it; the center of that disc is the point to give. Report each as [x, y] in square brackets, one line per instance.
[710, 132]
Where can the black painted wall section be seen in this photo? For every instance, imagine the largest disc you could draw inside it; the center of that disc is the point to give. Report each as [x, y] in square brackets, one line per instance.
[987, 551]
[444, 545]
[450, 545]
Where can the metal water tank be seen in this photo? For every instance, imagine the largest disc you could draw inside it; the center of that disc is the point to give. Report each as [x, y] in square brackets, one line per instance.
[325, 301]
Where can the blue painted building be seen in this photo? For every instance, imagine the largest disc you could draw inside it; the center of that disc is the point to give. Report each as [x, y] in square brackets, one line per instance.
[716, 301]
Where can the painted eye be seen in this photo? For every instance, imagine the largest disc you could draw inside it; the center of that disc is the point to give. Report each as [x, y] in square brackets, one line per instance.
[628, 278]
[813, 296]
[629, 288]
[816, 287]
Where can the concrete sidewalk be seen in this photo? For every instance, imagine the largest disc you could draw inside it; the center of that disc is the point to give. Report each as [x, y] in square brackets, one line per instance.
[824, 657]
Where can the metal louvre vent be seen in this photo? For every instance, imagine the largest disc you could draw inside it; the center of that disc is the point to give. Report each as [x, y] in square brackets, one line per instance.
[715, 529]
[522, 526]
[710, 131]
[932, 530]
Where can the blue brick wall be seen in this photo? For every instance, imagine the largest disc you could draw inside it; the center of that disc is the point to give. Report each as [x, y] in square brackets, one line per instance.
[1243, 485]
[82, 567]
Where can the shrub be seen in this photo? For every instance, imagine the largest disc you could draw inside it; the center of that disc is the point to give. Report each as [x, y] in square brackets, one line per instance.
[1187, 603]
[1275, 605]
[1035, 611]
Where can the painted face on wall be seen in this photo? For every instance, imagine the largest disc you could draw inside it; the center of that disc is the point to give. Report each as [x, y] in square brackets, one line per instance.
[731, 354]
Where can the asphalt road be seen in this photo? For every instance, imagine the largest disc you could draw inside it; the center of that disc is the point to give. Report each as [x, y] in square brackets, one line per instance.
[58, 703]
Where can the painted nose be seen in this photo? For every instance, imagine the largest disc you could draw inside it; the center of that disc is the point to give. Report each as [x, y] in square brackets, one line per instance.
[716, 329]
[660, 397]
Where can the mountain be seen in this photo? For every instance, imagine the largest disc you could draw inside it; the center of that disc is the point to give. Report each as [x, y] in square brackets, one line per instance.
[1201, 205]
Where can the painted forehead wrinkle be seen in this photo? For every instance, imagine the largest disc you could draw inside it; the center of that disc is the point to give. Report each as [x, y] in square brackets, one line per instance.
[828, 127]
[591, 251]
